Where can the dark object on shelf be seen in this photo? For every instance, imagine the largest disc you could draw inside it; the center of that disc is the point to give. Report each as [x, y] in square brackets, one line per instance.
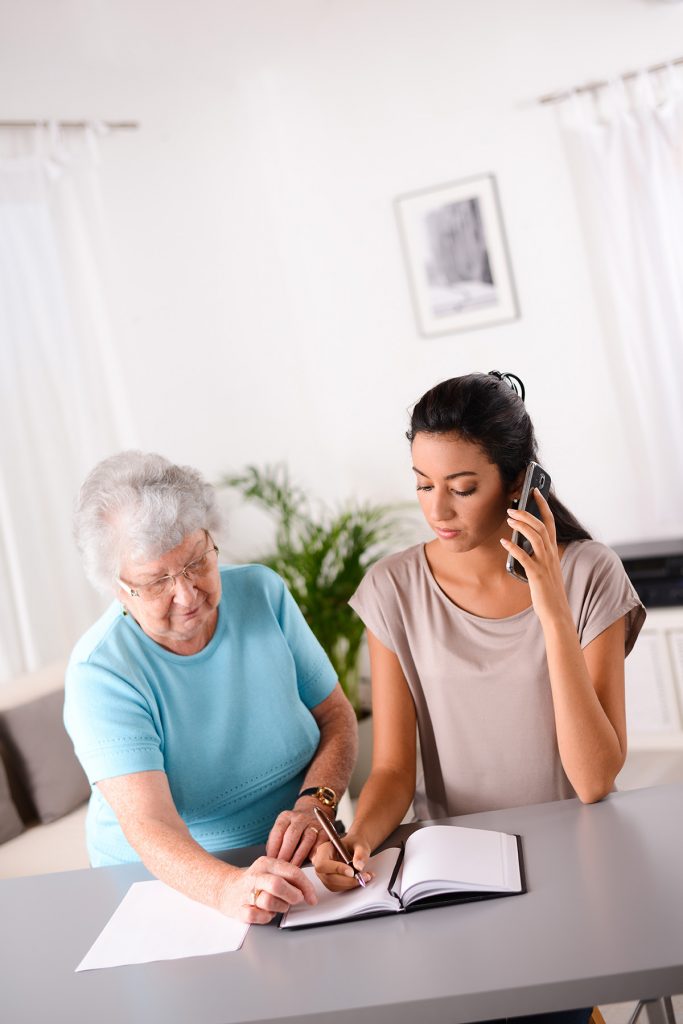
[656, 570]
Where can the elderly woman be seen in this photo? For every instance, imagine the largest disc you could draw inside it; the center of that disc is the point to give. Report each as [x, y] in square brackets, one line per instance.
[202, 708]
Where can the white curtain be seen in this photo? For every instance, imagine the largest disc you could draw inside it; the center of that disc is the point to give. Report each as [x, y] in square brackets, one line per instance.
[62, 402]
[625, 145]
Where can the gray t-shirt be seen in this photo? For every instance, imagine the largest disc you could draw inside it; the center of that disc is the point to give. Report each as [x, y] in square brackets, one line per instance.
[481, 687]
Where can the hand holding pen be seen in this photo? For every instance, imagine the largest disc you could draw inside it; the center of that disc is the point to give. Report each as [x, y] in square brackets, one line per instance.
[343, 877]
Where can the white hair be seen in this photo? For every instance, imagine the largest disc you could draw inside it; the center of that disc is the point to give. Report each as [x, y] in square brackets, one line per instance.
[138, 505]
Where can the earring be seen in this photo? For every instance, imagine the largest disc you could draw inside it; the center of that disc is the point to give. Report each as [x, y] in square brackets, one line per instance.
[515, 502]
[124, 610]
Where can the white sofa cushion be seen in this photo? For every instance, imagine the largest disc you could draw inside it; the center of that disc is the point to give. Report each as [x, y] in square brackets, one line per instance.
[33, 684]
[41, 849]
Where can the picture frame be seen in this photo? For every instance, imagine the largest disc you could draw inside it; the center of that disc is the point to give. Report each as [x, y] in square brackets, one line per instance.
[456, 256]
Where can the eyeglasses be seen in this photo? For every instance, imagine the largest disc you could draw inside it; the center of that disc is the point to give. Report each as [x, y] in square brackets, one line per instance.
[195, 570]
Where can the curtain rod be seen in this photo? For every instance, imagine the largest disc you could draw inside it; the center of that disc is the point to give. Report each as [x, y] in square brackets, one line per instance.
[67, 124]
[554, 97]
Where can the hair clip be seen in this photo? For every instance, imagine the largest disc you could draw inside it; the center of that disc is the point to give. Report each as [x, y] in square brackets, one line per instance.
[512, 381]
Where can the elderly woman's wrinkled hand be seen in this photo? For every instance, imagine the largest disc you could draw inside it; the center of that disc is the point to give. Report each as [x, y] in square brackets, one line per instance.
[267, 888]
[294, 836]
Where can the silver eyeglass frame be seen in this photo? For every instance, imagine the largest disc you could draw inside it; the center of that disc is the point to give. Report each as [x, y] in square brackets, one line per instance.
[172, 576]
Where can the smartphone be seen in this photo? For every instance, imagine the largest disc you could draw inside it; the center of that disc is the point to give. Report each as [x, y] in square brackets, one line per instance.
[535, 476]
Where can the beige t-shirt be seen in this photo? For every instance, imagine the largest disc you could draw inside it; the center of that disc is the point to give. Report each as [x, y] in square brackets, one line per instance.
[481, 686]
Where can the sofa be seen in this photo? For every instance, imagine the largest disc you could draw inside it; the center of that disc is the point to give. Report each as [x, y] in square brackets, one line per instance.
[43, 789]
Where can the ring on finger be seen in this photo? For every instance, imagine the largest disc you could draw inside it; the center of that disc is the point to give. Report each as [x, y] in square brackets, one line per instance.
[316, 830]
[255, 893]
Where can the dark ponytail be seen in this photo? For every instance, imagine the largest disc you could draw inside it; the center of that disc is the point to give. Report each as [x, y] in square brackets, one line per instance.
[488, 410]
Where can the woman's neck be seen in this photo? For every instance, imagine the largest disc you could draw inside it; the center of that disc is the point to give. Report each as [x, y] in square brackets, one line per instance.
[477, 580]
[178, 644]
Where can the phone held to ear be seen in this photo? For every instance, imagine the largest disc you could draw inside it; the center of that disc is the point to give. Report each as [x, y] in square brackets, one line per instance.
[535, 476]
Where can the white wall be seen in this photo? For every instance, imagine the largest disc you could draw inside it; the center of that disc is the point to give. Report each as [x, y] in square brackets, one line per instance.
[263, 311]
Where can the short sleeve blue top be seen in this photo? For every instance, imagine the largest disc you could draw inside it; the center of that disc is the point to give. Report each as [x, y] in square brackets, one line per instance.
[231, 726]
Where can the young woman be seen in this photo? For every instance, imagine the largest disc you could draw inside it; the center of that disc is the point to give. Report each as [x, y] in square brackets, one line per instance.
[516, 689]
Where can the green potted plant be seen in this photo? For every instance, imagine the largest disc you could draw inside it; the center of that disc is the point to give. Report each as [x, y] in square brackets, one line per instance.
[322, 554]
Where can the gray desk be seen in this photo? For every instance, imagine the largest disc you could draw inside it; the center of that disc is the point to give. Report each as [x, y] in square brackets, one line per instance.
[602, 922]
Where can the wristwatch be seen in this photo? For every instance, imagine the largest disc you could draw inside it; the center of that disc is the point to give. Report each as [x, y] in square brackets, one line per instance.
[326, 796]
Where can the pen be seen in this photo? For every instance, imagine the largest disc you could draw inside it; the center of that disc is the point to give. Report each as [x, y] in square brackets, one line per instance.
[335, 839]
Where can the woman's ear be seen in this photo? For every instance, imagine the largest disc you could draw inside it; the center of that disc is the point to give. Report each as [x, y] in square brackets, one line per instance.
[515, 489]
[121, 594]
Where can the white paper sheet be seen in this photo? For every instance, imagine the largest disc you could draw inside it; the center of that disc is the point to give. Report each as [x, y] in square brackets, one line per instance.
[154, 922]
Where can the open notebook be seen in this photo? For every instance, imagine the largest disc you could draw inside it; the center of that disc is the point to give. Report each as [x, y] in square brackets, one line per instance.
[437, 864]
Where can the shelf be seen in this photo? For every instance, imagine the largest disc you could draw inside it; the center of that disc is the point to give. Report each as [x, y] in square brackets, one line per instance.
[654, 683]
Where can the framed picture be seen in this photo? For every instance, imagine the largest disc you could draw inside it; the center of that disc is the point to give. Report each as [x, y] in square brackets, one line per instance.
[456, 255]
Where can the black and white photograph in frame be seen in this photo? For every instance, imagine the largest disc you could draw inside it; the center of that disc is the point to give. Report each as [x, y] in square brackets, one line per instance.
[456, 256]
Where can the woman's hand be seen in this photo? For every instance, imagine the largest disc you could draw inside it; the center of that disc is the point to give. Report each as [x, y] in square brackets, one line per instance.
[336, 875]
[294, 836]
[256, 894]
[543, 568]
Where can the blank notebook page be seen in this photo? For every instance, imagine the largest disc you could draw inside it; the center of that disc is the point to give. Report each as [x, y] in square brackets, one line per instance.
[468, 858]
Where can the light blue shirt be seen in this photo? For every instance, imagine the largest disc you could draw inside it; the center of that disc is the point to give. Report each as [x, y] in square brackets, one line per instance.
[230, 726]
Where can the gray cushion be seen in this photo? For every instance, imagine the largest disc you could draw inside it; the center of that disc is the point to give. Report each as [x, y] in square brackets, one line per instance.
[42, 756]
[11, 824]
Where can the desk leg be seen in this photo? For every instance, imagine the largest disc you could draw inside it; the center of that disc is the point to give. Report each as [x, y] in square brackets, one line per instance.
[659, 1011]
